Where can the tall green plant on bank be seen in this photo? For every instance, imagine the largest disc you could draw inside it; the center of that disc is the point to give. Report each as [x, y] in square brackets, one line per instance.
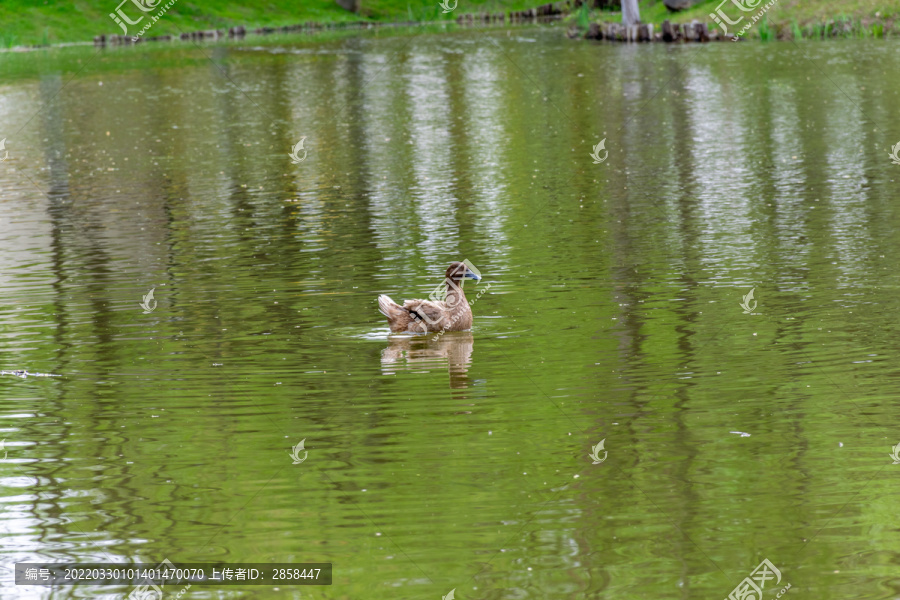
[583, 16]
[766, 33]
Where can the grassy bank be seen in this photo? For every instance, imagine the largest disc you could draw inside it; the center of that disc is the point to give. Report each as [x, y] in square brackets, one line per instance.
[785, 19]
[803, 12]
[22, 22]
[26, 22]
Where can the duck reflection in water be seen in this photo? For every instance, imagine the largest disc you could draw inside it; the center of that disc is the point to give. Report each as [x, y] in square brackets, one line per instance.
[452, 350]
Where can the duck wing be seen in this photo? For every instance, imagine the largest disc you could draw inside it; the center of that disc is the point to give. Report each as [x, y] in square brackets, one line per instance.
[426, 310]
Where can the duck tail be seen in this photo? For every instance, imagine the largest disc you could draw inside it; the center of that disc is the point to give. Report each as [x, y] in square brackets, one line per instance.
[389, 308]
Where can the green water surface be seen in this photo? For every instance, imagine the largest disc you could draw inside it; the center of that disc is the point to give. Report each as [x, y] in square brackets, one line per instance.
[609, 310]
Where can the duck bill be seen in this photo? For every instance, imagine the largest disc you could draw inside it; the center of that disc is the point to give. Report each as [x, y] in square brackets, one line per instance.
[471, 271]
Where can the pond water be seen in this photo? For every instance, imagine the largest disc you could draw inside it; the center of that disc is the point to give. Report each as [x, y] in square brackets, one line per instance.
[610, 310]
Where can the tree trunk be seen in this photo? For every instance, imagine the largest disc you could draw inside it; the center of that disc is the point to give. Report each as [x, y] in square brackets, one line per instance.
[351, 5]
[630, 13]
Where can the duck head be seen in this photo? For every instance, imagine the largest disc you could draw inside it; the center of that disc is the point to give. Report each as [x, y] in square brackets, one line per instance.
[457, 271]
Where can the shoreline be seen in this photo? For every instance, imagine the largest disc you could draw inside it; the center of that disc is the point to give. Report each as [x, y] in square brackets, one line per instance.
[693, 31]
[700, 31]
[233, 33]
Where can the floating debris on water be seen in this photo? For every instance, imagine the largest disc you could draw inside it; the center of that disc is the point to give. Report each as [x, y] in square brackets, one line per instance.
[23, 374]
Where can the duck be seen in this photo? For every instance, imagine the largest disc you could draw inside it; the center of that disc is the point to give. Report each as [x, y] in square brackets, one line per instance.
[426, 316]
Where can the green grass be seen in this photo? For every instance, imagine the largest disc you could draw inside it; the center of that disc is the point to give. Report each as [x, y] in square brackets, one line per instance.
[812, 16]
[32, 22]
[784, 11]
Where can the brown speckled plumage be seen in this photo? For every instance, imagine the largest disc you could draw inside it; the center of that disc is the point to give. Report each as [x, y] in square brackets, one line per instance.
[422, 316]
